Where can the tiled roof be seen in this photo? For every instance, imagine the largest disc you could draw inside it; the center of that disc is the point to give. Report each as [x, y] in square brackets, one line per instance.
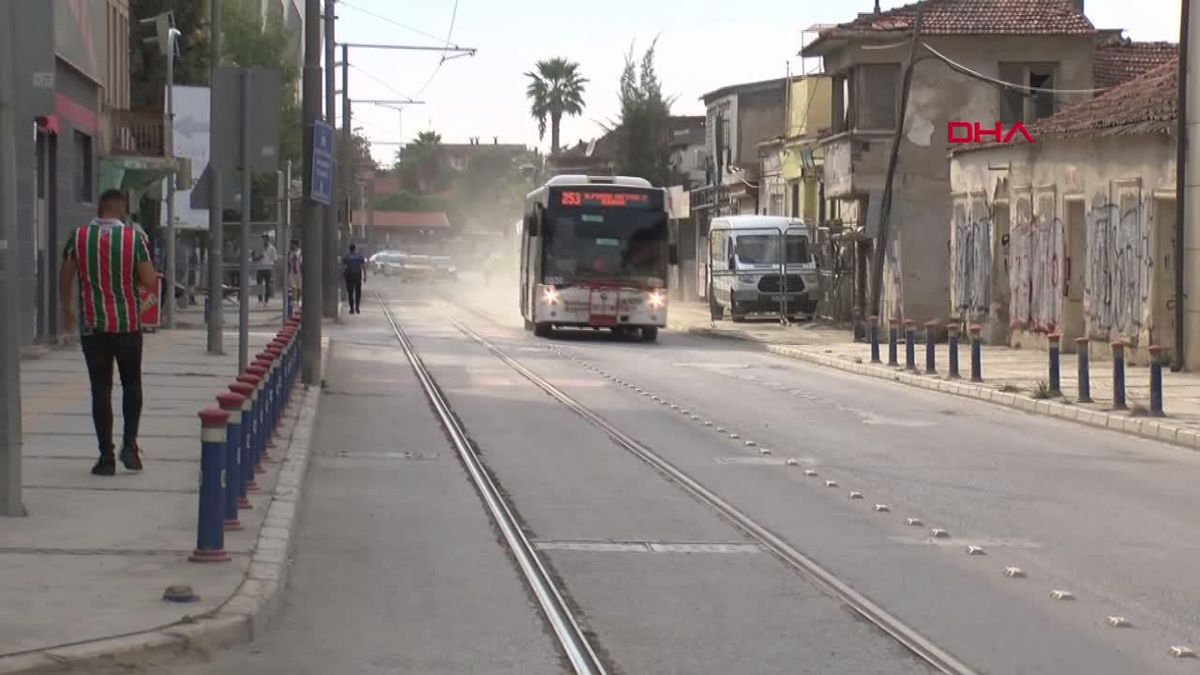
[1118, 60]
[406, 220]
[1144, 105]
[969, 17]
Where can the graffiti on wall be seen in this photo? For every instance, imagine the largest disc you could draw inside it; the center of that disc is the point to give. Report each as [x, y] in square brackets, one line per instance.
[1035, 276]
[1119, 264]
[972, 259]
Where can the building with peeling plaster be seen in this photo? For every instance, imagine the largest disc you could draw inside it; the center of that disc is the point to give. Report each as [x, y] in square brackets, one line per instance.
[1074, 233]
[1039, 43]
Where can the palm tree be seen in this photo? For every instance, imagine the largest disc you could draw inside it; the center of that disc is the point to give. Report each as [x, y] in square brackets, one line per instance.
[555, 89]
[422, 161]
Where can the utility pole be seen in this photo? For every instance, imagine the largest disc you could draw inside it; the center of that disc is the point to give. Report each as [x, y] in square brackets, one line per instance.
[879, 254]
[1187, 187]
[11, 503]
[310, 326]
[244, 256]
[347, 126]
[216, 220]
[332, 217]
[169, 143]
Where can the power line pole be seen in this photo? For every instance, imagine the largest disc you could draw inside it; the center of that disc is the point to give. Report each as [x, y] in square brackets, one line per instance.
[332, 217]
[879, 255]
[244, 235]
[310, 328]
[346, 138]
[216, 220]
[169, 142]
[11, 503]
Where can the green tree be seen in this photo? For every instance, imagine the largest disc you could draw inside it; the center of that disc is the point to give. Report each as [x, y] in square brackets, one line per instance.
[643, 131]
[555, 89]
[148, 66]
[422, 164]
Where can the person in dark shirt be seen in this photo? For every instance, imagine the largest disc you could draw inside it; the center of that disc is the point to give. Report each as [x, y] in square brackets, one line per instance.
[354, 268]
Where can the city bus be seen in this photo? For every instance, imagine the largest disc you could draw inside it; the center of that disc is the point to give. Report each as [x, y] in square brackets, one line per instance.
[594, 254]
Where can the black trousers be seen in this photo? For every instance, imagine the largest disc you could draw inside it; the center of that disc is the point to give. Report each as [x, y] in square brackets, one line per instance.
[100, 351]
[354, 291]
[265, 279]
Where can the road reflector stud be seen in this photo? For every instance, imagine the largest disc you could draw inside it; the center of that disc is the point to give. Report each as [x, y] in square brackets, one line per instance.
[939, 533]
[854, 494]
[1062, 595]
[811, 473]
[792, 461]
[707, 423]
[975, 550]
[656, 398]
[764, 451]
[674, 407]
[684, 411]
[179, 593]
[1119, 622]
[831, 483]
[721, 430]
[734, 436]
[1014, 572]
[1181, 652]
[695, 418]
[750, 444]
[913, 522]
[882, 508]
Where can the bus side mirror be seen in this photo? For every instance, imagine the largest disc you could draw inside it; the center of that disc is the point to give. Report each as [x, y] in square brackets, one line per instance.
[673, 254]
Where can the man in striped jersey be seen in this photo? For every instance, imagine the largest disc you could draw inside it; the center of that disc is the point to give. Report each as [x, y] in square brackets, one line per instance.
[109, 260]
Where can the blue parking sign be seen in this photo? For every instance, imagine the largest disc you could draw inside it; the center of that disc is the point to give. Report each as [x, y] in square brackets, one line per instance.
[321, 188]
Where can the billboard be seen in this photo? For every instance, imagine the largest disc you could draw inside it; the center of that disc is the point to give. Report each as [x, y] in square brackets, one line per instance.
[191, 140]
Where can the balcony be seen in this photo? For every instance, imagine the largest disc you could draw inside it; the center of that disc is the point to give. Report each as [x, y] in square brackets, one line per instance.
[137, 133]
[855, 162]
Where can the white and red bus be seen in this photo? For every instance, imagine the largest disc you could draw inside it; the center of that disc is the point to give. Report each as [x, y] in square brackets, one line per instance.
[594, 254]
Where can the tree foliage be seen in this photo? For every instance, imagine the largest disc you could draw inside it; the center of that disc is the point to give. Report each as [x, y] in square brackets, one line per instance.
[148, 66]
[555, 89]
[643, 131]
[422, 164]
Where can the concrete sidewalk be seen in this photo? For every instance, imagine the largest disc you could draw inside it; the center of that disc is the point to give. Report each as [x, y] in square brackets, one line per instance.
[1011, 376]
[82, 576]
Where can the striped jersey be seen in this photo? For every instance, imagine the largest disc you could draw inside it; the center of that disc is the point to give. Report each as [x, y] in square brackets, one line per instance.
[107, 253]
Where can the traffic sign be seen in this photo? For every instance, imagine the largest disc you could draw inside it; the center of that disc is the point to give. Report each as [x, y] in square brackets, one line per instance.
[321, 183]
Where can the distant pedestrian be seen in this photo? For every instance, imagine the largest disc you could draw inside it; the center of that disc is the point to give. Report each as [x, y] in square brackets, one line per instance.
[354, 268]
[293, 262]
[109, 260]
[266, 271]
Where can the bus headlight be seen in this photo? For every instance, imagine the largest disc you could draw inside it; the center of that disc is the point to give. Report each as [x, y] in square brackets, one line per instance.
[656, 298]
[550, 295]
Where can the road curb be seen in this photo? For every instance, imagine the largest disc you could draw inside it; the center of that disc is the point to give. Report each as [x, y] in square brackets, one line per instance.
[246, 613]
[1143, 427]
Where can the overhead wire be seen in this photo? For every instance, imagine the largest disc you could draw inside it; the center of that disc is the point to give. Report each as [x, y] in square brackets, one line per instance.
[390, 20]
[382, 81]
[442, 60]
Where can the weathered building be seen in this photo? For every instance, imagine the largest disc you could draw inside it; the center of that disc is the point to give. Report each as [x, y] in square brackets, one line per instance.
[1038, 44]
[1074, 233]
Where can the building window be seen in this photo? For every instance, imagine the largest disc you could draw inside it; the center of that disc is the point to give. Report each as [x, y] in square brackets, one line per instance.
[876, 89]
[83, 168]
[1026, 106]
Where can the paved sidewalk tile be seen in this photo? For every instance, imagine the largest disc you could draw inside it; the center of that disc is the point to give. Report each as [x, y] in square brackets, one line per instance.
[94, 555]
[1011, 377]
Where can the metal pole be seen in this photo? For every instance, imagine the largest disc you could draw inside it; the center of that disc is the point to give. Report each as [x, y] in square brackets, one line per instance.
[881, 242]
[283, 238]
[310, 325]
[1184, 172]
[332, 215]
[216, 220]
[345, 158]
[244, 254]
[10, 283]
[169, 146]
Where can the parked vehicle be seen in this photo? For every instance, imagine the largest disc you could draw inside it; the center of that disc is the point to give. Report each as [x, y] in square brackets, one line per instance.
[387, 263]
[759, 264]
[444, 268]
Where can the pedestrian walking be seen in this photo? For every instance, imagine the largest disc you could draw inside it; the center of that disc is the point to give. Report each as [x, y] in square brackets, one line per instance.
[108, 260]
[293, 262]
[354, 268]
[266, 271]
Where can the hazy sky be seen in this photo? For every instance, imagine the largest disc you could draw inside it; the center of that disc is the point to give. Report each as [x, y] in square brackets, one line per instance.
[701, 47]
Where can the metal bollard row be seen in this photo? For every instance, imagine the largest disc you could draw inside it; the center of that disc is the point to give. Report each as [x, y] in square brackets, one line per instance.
[235, 439]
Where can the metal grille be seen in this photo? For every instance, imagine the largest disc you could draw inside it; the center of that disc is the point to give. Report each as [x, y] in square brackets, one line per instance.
[770, 283]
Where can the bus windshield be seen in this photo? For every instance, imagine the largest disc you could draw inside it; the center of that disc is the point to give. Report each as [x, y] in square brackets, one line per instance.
[763, 249]
[607, 243]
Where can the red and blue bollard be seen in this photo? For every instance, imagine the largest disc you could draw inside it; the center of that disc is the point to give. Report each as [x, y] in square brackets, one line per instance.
[1156, 364]
[910, 344]
[930, 346]
[246, 388]
[976, 353]
[210, 530]
[1118, 356]
[232, 404]
[893, 336]
[1085, 380]
[873, 335]
[952, 340]
[1055, 353]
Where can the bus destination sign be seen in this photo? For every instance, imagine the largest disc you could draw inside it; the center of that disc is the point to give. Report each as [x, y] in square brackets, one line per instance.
[606, 199]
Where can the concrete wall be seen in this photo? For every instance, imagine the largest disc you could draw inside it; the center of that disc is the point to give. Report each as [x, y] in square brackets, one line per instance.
[760, 117]
[811, 105]
[1123, 191]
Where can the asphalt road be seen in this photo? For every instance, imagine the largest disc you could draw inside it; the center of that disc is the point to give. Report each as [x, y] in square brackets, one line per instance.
[398, 570]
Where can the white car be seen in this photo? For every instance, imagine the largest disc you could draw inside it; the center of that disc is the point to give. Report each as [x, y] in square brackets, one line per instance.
[387, 263]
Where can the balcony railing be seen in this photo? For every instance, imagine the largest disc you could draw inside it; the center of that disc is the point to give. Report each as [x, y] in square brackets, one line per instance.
[138, 132]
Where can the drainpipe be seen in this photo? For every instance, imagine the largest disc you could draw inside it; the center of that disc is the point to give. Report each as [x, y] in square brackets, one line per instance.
[1181, 186]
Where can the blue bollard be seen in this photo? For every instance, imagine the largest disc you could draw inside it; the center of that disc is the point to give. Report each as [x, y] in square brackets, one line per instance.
[262, 432]
[873, 334]
[1118, 353]
[930, 346]
[1055, 350]
[976, 353]
[910, 346]
[247, 390]
[232, 404]
[1156, 364]
[210, 531]
[952, 339]
[893, 330]
[1085, 381]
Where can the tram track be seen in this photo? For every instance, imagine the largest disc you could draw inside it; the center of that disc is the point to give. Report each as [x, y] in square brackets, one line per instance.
[905, 635]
